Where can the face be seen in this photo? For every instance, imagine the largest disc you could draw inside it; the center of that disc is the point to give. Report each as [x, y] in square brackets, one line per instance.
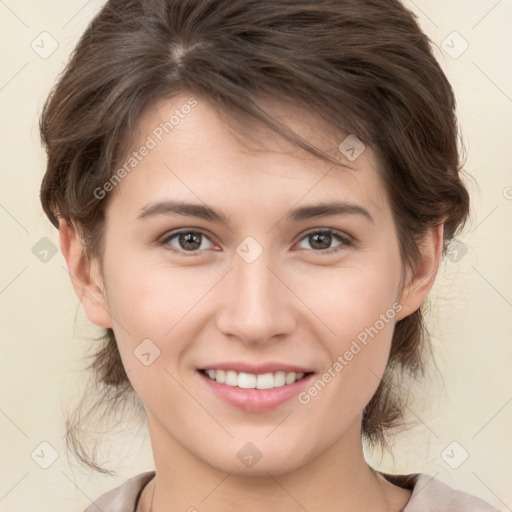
[265, 290]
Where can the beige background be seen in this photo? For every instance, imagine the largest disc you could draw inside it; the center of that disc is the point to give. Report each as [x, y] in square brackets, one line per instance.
[44, 332]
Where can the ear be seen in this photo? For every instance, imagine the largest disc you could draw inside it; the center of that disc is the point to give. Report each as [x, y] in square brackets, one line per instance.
[420, 281]
[85, 276]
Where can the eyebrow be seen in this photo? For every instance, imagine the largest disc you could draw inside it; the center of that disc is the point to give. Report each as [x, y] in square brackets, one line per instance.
[200, 211]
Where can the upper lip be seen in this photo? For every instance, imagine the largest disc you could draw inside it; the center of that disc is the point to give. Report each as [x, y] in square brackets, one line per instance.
[256, 369]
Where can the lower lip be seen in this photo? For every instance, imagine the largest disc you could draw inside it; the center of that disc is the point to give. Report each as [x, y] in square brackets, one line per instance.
[256, 400]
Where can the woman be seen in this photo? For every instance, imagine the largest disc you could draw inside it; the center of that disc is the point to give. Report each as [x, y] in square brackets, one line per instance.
[253, 198]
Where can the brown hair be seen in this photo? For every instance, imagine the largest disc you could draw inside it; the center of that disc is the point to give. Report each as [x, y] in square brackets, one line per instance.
[364, 66]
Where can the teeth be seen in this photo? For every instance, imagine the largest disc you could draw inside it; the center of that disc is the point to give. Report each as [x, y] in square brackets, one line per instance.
[246, 380]
[252, 381]
[280, 379]
[263, 381]
[231, 378]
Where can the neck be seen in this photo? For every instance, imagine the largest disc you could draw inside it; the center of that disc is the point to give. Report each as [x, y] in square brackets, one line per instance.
[337, 479]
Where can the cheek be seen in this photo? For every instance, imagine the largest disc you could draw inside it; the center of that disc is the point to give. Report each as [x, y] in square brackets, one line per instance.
[358, 355]
[153, 296]
[352, 299]
[358, 310]
[157, 304]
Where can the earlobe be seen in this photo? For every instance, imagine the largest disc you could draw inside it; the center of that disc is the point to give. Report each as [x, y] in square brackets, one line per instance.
[418, 286]
[85, 276]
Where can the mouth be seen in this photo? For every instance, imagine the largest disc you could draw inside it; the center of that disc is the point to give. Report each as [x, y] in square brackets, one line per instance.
[254, 392]
[245, 380]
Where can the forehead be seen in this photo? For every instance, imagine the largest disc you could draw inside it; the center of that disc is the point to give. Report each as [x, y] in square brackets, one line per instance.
[188, 147]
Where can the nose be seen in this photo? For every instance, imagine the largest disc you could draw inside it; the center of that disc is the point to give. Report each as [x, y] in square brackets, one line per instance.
[254, 303]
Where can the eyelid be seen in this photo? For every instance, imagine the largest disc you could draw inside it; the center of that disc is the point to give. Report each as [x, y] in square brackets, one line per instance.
[332, 231]
[169, 235]
[346, 239]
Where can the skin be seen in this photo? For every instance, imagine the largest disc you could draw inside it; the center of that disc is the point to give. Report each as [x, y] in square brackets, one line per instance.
[292, 304]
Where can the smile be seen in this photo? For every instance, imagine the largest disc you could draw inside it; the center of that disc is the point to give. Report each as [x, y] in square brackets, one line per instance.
[255, 392]
[252, 381]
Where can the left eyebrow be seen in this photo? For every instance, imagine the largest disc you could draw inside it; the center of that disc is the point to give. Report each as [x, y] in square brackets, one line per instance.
[296, 215]
[328, 209]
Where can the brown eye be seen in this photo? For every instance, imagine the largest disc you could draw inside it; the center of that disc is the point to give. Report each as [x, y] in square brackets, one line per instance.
[321, 241]
[190, 241]
[186, 241]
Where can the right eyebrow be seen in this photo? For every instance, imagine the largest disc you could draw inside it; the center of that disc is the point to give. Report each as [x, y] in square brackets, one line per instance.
[180, 208]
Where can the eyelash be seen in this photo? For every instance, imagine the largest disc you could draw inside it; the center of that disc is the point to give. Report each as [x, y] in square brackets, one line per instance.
[345, 240]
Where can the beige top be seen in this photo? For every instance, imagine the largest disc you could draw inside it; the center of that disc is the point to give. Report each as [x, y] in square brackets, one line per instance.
[428, 495]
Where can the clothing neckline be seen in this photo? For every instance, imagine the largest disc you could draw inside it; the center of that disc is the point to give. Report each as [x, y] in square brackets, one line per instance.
[408, 482]
[146, 478]
[404, 481]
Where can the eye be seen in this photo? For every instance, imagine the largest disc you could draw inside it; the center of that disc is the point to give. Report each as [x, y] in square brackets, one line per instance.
[189, 241]
[321, 239]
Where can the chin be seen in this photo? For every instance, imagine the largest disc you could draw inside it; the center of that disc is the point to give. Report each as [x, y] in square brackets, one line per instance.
[256, 459]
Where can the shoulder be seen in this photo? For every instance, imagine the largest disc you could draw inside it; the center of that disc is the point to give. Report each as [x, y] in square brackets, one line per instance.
[432, 495]
[122, 498]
